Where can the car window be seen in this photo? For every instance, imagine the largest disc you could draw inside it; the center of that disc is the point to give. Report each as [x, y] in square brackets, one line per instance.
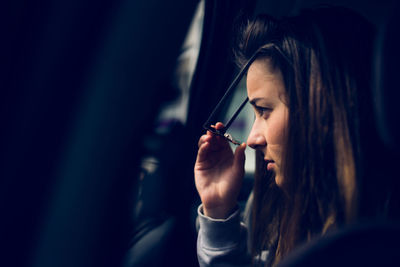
[177, 109]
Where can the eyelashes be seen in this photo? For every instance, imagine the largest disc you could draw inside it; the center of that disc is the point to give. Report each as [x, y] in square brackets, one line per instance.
[262, 111]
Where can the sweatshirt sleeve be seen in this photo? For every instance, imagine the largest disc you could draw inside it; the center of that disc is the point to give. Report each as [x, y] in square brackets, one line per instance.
[222, 242]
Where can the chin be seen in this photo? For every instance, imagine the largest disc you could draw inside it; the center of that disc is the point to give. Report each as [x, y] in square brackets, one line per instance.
[278, 180]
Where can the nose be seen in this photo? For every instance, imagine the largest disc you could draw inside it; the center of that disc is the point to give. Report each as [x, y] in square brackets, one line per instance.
[256, 138]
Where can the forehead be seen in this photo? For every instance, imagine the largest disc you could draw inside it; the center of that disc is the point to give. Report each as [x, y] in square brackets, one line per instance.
[264, 80]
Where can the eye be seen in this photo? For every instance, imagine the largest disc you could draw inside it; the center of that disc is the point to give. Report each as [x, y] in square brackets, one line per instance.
[262, 111]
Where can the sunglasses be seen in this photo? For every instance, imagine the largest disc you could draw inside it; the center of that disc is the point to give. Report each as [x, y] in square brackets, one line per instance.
[208, 125]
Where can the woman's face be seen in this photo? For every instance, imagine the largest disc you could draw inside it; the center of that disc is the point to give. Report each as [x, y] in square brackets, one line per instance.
[266, 92]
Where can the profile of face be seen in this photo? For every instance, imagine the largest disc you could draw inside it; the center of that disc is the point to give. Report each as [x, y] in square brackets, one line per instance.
[266, 93]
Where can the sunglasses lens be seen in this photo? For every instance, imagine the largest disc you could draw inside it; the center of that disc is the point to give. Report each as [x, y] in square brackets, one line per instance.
[234, 112]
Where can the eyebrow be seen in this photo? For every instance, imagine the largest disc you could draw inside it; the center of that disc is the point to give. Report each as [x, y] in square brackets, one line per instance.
[255, 100]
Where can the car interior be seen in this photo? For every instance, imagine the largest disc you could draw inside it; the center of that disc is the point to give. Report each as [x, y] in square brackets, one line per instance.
[102, 106]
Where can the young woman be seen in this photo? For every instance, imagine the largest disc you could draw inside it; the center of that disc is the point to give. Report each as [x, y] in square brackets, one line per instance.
[310, 89]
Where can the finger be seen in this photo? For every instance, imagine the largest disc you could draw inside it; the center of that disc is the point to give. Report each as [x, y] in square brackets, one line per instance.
[203, 151]
[216, 142]
[240, 156]
[219, 126]
[202, 139]
[224, 143]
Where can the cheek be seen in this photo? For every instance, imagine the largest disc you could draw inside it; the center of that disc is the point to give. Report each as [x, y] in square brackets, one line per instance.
[276, 132]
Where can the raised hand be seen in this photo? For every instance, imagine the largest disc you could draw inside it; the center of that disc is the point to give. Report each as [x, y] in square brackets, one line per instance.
[218, 174]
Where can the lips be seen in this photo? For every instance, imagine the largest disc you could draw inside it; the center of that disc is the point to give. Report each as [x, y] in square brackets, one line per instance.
[270, 164]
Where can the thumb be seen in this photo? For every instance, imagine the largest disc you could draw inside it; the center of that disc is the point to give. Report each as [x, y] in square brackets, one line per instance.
[240, 157]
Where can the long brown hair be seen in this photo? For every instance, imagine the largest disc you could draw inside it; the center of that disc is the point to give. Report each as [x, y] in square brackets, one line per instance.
[324, 56]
